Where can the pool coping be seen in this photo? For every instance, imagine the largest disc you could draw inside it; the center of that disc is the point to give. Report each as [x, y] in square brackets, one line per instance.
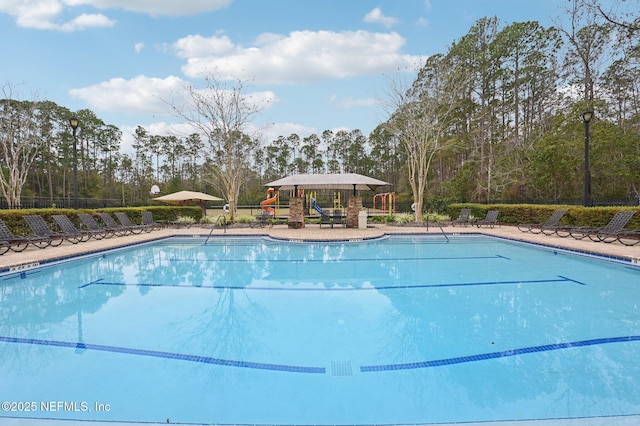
[632, 261]
[602, 251]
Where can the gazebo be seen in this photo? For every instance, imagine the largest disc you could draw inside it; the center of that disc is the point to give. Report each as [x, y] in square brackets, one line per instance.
[345, 181]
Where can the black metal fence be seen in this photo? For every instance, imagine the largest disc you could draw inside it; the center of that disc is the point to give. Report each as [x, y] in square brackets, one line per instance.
[58, 202]
[438, 205]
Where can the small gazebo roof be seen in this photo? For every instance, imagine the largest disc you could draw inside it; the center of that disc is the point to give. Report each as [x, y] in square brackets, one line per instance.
[182, 197]
[328, 181]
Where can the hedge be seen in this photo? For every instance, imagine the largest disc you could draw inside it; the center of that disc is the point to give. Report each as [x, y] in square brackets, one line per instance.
[14, 218]
[514, 214]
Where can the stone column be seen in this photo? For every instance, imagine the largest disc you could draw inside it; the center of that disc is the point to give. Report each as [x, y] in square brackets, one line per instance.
[296, 212]
[353, 208]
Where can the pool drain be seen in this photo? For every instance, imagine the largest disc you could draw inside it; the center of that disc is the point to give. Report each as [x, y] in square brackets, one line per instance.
[341, 368]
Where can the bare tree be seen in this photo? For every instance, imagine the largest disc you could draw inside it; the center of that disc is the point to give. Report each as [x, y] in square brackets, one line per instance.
[221, 113]
[621, 13]
[20, 143]
[589, 47]
[421, 121]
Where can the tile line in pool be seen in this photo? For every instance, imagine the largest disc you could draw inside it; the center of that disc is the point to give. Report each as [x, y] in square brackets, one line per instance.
[572, 280]
[560, 279]
[167, 355]
[321, 370]
[495, 355]
[363, 259]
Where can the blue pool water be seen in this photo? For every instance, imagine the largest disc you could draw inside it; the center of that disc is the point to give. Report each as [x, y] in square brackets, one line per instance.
[247, 330]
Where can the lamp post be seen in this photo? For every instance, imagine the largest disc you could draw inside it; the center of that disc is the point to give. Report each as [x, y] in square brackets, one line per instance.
[586, 118]
[74, 122]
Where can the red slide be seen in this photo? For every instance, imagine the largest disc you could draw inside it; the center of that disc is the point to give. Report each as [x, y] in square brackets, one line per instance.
[271, 198]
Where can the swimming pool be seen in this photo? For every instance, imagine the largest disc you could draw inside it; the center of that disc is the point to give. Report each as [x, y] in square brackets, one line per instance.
[407, 329]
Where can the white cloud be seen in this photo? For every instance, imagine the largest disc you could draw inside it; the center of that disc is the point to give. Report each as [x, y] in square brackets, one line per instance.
[275, 130]
[157, 7]
[198, 46]
[302, 56]
[156, 128]
[377, 17]
[422, 22]
[349, 102]
[46, 14]
[85, 21]
[140, 95]
[147, 95]
[138, 47]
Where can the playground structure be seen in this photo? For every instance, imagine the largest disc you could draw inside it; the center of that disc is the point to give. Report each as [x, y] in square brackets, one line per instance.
[272, 197]
[387, 203]
[317, 208]
[383, 203]
[337, 200]
[312, 196]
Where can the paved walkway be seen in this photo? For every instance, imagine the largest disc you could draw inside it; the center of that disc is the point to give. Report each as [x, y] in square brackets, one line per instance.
[315, 233]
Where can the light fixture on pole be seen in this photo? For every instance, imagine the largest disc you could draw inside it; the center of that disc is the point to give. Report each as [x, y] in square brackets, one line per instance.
[586, 118]
[74, 123]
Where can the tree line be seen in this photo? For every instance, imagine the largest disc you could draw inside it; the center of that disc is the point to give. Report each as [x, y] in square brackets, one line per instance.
[494, 118]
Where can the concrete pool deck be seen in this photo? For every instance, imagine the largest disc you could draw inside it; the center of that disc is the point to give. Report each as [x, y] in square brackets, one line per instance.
[313, 232]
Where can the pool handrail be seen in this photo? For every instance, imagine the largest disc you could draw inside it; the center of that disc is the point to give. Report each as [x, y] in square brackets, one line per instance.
[437, 222]
[220, 221]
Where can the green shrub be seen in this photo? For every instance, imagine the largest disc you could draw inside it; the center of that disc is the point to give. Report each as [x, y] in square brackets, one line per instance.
[513, 214]
[15, 221]
[186, 220]
[207, 220]
[382, 219]
[245, 219]
[437, 216]
[405, 218]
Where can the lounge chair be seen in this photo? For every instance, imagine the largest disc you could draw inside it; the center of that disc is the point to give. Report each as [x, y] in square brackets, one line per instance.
[326, 219]
[337, 218]
[67, 226]
[262, 220]
[90, 223]
[126, 222]
[112, 226]
[147, 219]
[464, 218]
[40, 229]
[490, 220]
[607, 234]
[550, 224]
[5, 246]
[629, 238]
[16, 243]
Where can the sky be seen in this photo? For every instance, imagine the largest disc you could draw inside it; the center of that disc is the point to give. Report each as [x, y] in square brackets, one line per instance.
[321, 64]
